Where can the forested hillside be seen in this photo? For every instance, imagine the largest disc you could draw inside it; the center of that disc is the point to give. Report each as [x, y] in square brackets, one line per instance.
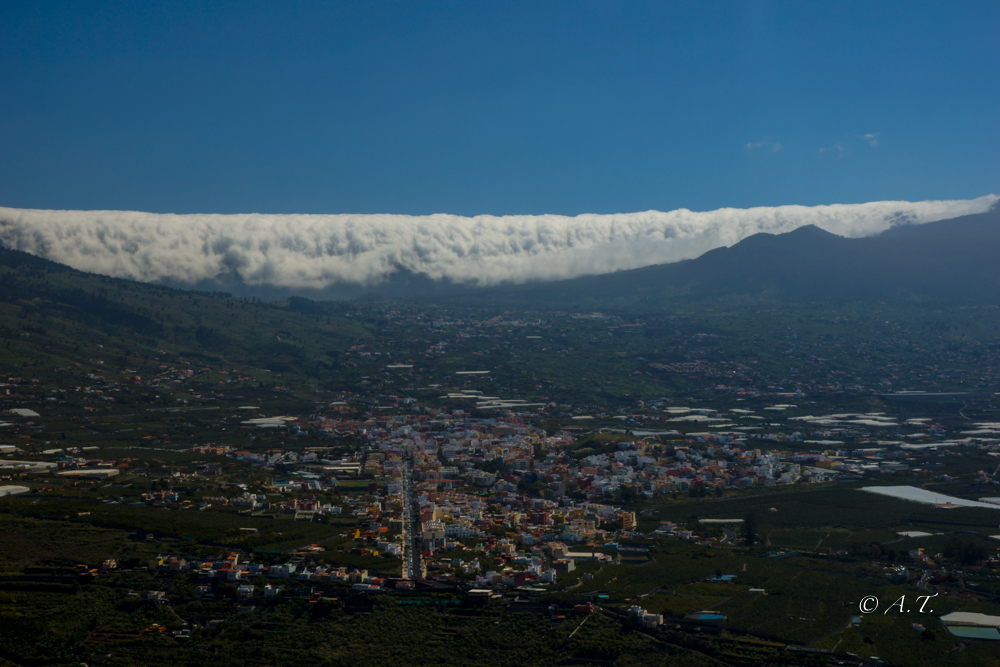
[51, 314]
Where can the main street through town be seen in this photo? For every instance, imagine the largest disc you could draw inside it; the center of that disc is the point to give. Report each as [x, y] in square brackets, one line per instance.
[412, 564]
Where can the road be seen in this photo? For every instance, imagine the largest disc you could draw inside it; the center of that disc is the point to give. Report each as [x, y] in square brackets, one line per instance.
[411, 524]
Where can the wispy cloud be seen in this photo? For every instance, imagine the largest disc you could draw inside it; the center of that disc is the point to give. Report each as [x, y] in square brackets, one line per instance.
[872, 139]
[769, 146]
[837, 150]
[317, 251]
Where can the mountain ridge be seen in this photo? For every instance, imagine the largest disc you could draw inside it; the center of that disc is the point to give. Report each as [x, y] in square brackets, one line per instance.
[950, 260]
[953, 260]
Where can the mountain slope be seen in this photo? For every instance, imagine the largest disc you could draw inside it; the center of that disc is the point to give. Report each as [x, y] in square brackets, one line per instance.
[52, 314]
[948, 261]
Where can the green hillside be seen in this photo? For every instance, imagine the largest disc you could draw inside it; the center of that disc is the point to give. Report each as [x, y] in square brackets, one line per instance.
[52, 315]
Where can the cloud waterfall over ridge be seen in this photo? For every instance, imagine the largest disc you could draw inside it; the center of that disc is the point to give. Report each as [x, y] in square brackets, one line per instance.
[317, 251]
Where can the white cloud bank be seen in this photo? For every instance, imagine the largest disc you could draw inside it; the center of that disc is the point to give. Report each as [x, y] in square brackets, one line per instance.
[317, 251]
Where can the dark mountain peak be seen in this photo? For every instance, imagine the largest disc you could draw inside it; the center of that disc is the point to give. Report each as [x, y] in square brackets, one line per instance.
[806, 239]
[811, 231]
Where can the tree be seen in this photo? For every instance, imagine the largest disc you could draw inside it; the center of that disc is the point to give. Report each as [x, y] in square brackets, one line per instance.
[964, 551]
[750, 528]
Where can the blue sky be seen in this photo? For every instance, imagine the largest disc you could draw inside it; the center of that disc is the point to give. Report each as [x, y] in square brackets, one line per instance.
[498, 108]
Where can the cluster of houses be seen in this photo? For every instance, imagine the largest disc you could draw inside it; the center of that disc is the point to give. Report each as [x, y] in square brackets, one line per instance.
[502, 485]
[232, 569]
